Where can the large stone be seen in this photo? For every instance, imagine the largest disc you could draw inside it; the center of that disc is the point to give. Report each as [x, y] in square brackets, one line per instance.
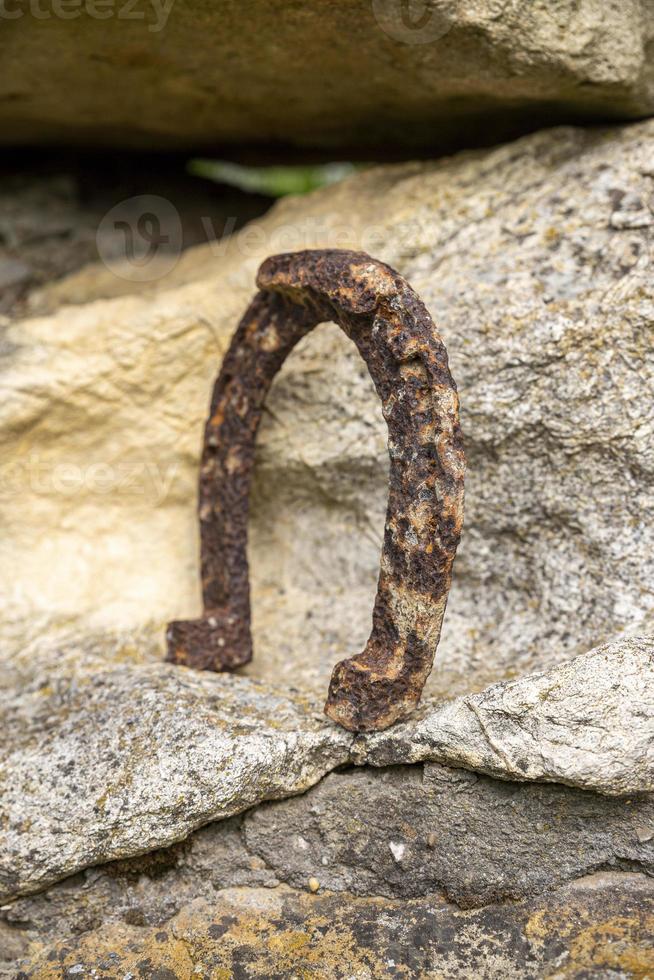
[588, 723]
[365, 74]
[601, 926]
[122, 759]
[106, 757]
[533, 259]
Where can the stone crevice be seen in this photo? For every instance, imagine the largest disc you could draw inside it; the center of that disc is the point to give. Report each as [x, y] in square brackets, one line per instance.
[139, 758]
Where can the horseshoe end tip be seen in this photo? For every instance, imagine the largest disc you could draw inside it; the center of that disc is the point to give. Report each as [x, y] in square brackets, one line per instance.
[361, 719]
[361, 704]
[206, 644]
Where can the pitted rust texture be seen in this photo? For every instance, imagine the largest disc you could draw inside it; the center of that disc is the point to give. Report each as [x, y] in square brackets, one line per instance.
[407, 360]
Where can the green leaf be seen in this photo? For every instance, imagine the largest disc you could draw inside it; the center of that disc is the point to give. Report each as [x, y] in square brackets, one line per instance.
[274, 181]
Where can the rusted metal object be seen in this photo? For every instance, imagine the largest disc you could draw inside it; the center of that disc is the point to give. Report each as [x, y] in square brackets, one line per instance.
[407, 360]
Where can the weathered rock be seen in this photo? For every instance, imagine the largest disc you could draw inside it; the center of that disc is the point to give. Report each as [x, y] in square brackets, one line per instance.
[588, 723]
[52, 223]
[600, 926]
[107, 758]
[405, 832]
[124, 759]
[399, 833]
[345, 74]
[533, 259]
[144, 891]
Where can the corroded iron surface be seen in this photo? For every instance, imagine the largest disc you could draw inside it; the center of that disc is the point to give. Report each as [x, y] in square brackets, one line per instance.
[407, 360]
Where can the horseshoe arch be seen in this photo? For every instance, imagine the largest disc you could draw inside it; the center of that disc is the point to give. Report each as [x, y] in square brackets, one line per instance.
[408, 363]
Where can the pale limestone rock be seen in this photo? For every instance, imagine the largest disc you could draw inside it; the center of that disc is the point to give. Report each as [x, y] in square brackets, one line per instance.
[121, 760]
[534, 260]
[338, 75]
[587, 723]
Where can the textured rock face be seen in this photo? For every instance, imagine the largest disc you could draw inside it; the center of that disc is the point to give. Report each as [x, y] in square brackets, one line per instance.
[403, 832]
[588, 723]
[534, 261]
[106, 760]
[119, 761]
[408, 831]
[600, 926]
[331, 75]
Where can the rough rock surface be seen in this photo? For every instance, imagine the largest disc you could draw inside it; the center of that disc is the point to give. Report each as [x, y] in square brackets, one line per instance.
[118, 761]
[109, 760]
[533, 259]
[408, 831]
[401, 832]
[601, 926]
[587, 723]
[345, 74]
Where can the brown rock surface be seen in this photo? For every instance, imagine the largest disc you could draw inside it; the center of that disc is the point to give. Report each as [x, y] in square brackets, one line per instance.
[362, 74]
[600, 926]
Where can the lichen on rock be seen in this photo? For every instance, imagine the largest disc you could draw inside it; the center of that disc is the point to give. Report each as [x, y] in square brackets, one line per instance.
[534, 260]
[599, 926]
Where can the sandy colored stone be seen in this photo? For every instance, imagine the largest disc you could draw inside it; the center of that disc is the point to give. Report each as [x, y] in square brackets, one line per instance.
[534, 260]
[364, 74]
[599, 926]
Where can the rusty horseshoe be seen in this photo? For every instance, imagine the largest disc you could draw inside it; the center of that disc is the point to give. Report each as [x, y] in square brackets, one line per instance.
[407, 360]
